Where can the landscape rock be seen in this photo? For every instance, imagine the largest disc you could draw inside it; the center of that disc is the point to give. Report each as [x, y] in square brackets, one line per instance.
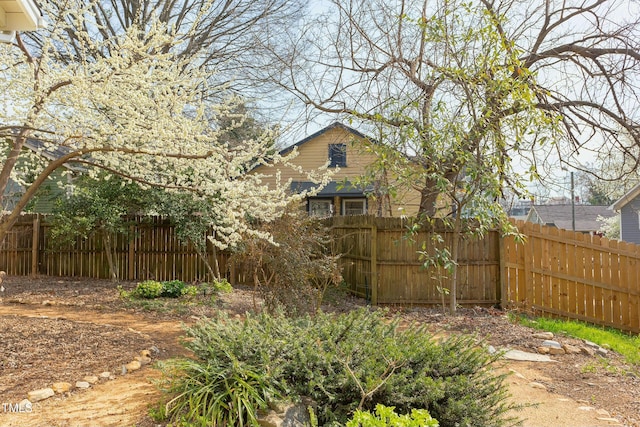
[133, 365]
[589, 351]
[145, 353]
[543, 335]
[571, 349]
[91, 379]
[271, 419]
[61, 387]
[526, 356]
[82, 384]
[543, 350]
[602, 352]
[143, 360]
[41, 394]
[285, 414]
[551, 344]
[105, 375]
[556, 350]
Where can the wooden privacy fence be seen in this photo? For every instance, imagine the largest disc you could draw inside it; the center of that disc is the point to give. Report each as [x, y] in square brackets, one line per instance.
[573, 275]
[151, 250]
[549, 272]
[381, 263]
[553, 272]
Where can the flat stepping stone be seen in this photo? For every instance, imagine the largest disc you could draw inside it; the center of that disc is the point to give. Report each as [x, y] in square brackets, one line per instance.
[527, 357]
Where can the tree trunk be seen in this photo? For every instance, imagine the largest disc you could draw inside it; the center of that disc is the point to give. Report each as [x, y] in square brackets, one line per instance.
[113, 270]
[203, 256]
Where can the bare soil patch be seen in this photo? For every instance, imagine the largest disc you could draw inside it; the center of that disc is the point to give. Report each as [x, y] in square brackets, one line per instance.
[64, 329]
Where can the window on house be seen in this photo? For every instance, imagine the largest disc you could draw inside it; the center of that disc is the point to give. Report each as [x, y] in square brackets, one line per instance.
[320, 208]
[354, 207]
[337, 155]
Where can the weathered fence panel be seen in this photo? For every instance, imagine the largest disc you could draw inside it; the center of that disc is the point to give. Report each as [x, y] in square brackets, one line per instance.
[151, 250]
[550, 272]
[382, 262]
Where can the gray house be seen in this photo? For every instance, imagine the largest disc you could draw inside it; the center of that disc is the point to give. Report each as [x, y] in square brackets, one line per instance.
[585, 217]
[629, 208]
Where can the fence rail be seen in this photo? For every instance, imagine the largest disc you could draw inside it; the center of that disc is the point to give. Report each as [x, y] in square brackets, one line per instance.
[551, 272]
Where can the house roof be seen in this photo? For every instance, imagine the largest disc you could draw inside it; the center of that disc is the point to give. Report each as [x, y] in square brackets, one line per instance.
[19, 15]
[333, 125]
[561, 216]
[624, 200]
[333, 188]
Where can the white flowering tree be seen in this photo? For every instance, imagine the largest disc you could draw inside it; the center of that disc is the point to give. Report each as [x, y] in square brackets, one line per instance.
[138, 111]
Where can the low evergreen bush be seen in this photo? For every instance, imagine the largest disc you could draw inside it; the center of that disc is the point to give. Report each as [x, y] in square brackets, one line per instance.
[344, 363]
[147, 289]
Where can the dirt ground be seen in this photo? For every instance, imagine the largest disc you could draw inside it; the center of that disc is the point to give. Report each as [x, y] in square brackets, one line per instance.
[55, 330]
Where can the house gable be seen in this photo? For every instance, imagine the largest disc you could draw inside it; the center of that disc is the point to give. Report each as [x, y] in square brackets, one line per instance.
[315, 152]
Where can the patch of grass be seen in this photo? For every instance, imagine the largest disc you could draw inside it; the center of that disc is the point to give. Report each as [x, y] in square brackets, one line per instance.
[626, 345]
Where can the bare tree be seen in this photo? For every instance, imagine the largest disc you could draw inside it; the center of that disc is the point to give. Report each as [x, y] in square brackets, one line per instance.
[455, 90]
[221, 35]
[498, 78]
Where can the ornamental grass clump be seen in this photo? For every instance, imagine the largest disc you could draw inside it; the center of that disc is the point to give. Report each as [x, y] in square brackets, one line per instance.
[343, 363]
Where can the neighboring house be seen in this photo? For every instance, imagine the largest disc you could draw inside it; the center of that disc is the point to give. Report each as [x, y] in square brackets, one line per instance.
[562, 216]
[629, 208]
[341, 147]
[18, 15]
[58, 185]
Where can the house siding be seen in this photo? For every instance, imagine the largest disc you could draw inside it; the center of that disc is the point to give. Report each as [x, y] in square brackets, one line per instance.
[314, 154]
[629, 224]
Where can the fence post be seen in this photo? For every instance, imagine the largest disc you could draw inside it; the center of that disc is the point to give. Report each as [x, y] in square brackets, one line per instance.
[501, 289]
[131, 253]
[35, 244]
[374, 264]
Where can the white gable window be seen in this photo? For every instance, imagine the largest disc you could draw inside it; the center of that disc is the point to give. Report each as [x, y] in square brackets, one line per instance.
[320, 208]
[354, 206]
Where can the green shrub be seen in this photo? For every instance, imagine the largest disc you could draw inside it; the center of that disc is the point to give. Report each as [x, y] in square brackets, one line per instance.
[386, 417]
[352, 362]
[173, 289]
[189, 291]
[222, 286]
[147, 289]
[218, 393]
